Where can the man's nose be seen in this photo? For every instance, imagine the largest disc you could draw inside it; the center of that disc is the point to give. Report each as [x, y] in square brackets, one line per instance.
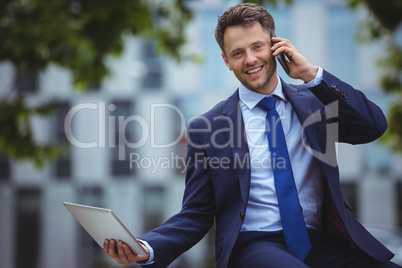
[250, 58]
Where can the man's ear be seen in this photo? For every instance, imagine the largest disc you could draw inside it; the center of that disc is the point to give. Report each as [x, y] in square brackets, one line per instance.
[226, 61]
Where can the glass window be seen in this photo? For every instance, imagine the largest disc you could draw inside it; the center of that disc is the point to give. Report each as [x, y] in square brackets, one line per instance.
[26, 83]
[398, 36]
[154, 200]
[378, 157]
[120, 154]
[214, 69]
[4, 167]
[189, 108]
[341, 42]
[94, 87]
[89, 250]
[63, 163]
[28, 214]
[154, 75]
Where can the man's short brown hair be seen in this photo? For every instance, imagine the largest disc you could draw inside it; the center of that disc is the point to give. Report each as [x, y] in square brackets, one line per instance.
[243, 14]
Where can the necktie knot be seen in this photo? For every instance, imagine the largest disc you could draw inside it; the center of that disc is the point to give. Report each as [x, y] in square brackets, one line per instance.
[268, 104]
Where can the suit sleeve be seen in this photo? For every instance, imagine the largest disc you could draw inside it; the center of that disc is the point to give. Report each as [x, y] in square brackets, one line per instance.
[360, 120]
[189, 226]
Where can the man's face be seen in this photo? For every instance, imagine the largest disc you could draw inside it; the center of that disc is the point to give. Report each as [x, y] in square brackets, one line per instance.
[249, 56]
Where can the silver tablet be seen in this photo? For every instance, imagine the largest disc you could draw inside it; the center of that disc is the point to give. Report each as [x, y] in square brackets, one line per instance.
[103, 224]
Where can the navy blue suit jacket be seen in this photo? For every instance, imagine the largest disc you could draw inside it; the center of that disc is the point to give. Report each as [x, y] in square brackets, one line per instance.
[218, 171]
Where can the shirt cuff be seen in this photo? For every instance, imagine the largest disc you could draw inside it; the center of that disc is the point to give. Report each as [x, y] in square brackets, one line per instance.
[151, 253]
[317, 80]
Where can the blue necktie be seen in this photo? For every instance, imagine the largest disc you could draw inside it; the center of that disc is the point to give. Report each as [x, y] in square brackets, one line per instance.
[294, 227]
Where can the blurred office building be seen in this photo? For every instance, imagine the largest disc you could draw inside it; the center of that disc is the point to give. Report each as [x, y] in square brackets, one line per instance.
[125, 139]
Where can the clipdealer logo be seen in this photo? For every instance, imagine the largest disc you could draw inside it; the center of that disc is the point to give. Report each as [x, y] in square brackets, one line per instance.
[117, 124]
[148, 130]
[331, 112]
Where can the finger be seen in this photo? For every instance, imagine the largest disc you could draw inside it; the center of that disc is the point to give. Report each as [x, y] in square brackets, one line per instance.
[122, 253]
[130, 255]
[277, 38]
[280, 41]
[106, 246]
[112, 249]
[282, 44]
[283, 49]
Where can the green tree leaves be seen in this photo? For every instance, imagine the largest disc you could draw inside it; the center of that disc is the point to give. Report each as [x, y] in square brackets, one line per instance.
[386, 22]
[78, 35]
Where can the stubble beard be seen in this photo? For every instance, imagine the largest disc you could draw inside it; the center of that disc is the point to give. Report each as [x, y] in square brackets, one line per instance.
[267, 76]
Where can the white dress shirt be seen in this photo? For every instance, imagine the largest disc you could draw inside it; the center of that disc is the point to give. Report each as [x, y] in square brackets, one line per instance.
[262, 213]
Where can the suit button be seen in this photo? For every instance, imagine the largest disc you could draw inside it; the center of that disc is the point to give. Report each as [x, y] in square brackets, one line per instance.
[333, 86]
[241, 215]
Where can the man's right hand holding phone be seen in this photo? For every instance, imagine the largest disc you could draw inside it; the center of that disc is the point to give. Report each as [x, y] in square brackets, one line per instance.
[299, 66]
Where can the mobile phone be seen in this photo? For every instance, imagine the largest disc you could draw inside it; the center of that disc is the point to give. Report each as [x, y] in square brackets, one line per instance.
[282, 59]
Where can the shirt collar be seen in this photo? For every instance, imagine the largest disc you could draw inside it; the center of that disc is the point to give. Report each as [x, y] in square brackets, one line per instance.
[251, 98]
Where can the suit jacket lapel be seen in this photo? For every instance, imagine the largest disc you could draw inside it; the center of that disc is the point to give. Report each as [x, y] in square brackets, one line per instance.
[240, 152]
[307, 110]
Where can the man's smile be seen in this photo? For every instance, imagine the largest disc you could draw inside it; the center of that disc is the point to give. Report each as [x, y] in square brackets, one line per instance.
[254, 71]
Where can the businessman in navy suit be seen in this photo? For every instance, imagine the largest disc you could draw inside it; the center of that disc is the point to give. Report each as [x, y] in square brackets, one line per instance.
[231, 178]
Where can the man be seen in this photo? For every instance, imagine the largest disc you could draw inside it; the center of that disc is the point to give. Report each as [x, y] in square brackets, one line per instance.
[261, 163]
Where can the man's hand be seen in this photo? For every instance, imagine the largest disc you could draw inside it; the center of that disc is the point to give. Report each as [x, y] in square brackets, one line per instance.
[123, 254]
[299, 66]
